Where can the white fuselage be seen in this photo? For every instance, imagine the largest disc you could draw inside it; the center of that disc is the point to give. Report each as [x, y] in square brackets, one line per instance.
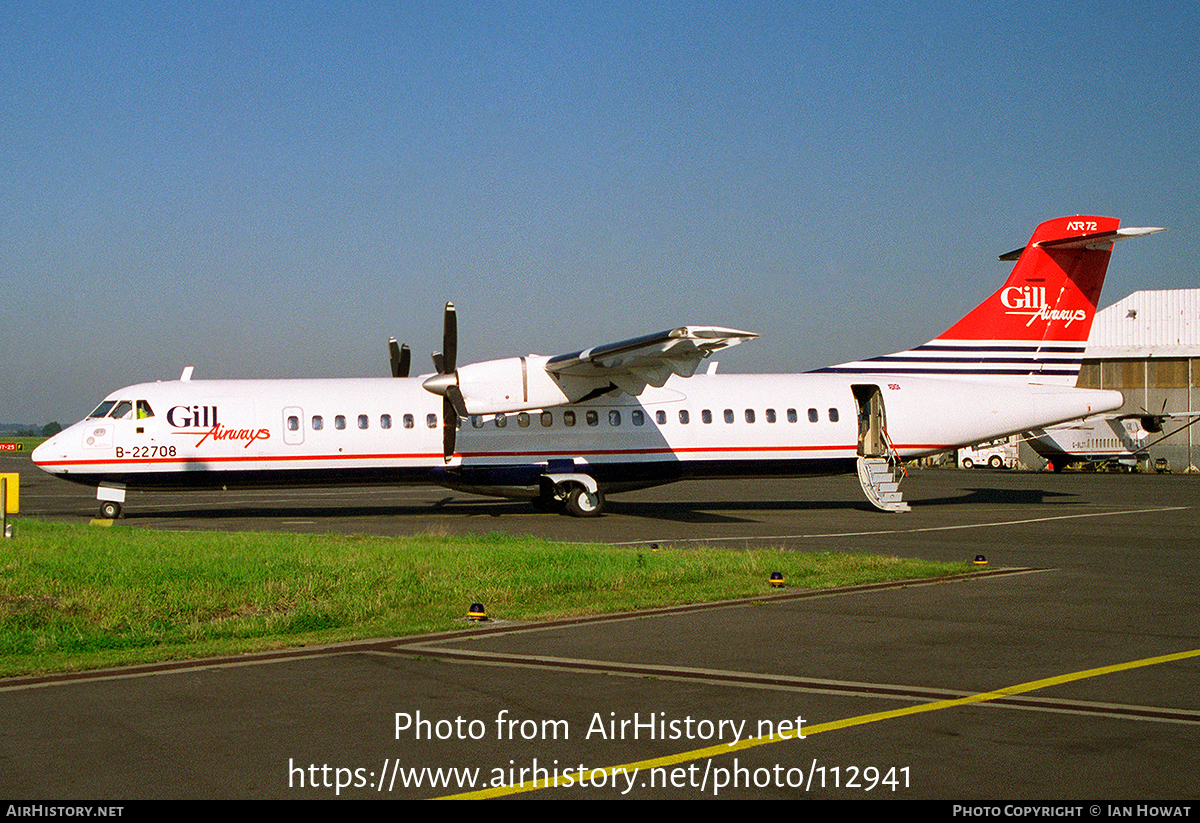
[388, 430]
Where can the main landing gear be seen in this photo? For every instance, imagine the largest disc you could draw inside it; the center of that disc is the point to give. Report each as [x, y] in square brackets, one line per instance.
[577, 495]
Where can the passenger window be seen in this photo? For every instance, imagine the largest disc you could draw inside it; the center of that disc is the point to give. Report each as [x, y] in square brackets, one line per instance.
[729, 415]
[770, 415]
[318, 422]
[385, 421]
[683, 416]
[339, 422]
[431, 421]
[362, 421]
[706, 416]
[614, 418]
[477, 421]
[593, 417]
[660, 417]
[749, 415]
[523, 420]
[500, 421]
[293, 423]
[833, 415]
[791, 415]
[637, 417]
[568, 418]
[143, 410]
[408, 421]
[813, 417]
[547, 419]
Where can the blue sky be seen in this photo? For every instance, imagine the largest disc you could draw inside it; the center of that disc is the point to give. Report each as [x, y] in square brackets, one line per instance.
[260, 189]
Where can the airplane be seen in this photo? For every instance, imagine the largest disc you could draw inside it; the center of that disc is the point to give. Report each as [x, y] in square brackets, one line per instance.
[1122, 439]
[566, 431]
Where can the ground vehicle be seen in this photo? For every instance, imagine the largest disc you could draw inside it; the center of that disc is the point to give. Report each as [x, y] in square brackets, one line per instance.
[995, 454]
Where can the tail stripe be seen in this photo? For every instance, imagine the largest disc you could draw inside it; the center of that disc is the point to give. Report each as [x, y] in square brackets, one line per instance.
[1001, 358]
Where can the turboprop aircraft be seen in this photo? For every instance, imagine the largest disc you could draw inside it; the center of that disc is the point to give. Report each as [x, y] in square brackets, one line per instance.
[566, 431]
[1122, 440]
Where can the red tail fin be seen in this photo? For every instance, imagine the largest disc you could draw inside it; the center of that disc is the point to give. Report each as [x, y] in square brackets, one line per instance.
[1052, 292]
[1035, 327]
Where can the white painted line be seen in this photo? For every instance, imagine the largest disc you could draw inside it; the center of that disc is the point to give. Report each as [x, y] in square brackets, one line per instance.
[987, 525]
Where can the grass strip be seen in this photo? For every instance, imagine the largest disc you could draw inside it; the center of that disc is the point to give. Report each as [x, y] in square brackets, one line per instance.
[75, 597]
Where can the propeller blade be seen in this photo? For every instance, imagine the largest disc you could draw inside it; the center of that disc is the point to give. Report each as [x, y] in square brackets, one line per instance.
[401, 358]
[449, 340]
[449, 427]
[455, 396]
[405, 360]
[437, 362]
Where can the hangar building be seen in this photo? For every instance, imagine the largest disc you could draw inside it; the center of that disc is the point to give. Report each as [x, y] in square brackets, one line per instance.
[1147, 346]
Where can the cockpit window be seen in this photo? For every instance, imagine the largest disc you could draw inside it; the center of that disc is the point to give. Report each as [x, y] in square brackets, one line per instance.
[144, 410]
[122, 410]
[102, 409]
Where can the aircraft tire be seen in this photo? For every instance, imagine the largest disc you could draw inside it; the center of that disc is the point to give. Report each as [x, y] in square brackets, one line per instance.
[110, 510]
[582, 503]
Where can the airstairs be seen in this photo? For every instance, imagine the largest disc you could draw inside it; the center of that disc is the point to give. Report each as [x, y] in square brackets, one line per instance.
[880, 477]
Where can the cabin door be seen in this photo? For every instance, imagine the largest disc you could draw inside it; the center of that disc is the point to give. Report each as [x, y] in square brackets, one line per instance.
[872, 421]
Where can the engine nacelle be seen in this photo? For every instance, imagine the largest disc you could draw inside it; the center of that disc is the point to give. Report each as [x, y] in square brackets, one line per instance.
[1152, 423]
[509, 385]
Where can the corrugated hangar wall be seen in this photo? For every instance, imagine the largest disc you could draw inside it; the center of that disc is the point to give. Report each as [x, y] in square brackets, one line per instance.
[1147, 346]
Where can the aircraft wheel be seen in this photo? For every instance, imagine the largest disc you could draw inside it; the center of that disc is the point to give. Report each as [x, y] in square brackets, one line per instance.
[110, 510]
[968, 463]
[996, 462]
[582, 503]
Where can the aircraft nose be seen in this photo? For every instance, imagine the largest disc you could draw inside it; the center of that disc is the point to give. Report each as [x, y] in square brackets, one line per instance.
[40, 453]
[46, 451]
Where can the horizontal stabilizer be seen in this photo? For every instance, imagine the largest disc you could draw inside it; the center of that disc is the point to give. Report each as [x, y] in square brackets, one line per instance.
[1099, 241]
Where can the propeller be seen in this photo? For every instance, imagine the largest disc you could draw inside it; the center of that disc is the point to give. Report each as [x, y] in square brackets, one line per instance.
[445, 382]
[1153, 423]
[401, 358]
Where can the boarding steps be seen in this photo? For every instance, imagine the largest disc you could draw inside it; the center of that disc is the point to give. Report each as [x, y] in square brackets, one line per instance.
[880, 479]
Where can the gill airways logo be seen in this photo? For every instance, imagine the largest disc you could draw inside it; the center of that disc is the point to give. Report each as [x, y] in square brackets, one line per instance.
[202, 420]
[1032, 300]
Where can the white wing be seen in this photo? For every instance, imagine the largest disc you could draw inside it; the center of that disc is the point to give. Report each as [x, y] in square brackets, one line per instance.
[631, 365]
[536, 382]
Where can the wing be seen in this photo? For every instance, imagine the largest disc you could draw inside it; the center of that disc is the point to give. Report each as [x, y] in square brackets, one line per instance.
[536, 382]
[631, 365]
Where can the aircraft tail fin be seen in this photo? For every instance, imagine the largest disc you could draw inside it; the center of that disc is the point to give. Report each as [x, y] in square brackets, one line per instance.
[1035, 327]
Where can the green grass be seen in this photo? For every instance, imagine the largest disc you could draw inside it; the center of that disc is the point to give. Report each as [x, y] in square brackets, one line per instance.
[27, 444]
[74, 596]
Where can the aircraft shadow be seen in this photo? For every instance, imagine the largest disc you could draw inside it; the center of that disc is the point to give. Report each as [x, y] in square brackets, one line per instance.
[690, 511]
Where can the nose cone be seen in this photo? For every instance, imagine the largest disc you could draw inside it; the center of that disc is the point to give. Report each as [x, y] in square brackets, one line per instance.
[51, 455]
[46, 452]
